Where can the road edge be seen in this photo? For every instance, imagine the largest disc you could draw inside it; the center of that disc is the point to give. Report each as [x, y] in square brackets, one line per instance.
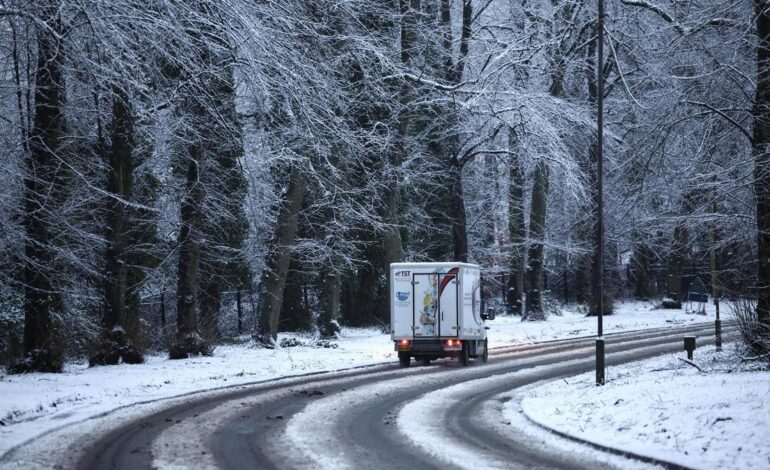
[608, 449]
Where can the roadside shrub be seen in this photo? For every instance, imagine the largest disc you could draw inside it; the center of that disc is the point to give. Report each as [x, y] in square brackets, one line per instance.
[189, 346]
[754, 335]
[291, 343]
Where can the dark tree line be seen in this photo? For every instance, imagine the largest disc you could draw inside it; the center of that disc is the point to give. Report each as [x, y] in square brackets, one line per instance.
[284, 153]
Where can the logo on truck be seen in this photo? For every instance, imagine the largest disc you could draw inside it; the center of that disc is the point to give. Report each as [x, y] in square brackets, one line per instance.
[402, 273]
[402, 296]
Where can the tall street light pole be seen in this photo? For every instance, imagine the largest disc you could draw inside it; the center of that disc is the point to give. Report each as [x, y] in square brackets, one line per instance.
[600, 364]
[714, 278]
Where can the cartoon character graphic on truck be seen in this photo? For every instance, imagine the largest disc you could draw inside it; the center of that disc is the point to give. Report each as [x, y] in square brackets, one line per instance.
[429, 306]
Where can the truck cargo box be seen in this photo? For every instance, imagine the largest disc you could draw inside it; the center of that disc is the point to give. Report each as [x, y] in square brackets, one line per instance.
[435, 309]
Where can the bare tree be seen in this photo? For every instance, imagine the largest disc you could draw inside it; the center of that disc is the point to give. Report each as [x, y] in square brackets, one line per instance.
[42, 352]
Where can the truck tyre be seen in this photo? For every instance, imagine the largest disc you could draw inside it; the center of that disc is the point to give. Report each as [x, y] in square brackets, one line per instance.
[404, 360]
[485, 356]
[465, 355]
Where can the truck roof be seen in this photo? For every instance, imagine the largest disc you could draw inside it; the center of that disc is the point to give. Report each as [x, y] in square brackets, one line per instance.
[433, 265]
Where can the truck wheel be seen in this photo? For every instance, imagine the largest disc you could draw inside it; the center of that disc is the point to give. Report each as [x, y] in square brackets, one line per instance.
[465, 354]
[404, 360]
[485, 356]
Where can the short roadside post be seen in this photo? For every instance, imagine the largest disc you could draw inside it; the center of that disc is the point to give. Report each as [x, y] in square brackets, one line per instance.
[689, 346]
[600, 366]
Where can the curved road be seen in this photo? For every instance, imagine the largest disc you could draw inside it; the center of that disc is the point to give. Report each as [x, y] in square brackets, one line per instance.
[436, 416]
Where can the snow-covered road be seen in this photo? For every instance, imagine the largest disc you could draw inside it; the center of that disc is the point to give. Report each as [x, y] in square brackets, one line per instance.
[375, 417]
[34, 404]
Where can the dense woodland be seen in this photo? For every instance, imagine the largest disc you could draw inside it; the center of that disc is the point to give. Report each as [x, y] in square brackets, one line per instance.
[176, 172]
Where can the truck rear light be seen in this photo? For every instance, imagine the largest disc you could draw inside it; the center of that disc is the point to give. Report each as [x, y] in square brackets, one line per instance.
[452, 342]
[402, 345]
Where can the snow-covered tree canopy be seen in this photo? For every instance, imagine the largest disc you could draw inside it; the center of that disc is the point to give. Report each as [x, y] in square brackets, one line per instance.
[173, 160]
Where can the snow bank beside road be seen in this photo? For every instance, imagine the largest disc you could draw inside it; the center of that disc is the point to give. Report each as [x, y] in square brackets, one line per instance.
[633, 315]
[32, 404]
[665, 409]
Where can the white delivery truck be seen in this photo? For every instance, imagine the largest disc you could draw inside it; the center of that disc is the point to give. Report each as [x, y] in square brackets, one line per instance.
[435, 311]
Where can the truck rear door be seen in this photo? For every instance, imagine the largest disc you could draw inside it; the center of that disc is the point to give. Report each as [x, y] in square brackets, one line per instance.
[401, 304]
[448, 304]
[425, 302]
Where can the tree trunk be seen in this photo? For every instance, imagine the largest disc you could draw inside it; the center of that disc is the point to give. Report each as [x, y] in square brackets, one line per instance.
[328, 325]
[583, 274]
[295, 312]
[453, 72]
[641, 259]
[274, 277]
[675, 267]
[566, 286]
[761, 147]
[516, 228]
[41, 352]
[392, 243]
[224, 224]
[534, 302]
[371, 294]
[116, 343]
[391, 239]
[163, 312]
[239, 308]
[210, 300]
[459, 230]
[188, 339]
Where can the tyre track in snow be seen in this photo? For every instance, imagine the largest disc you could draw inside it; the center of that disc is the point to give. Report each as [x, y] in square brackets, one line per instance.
[253, 434]
[130, 445]
[361, 433]
[458, 417]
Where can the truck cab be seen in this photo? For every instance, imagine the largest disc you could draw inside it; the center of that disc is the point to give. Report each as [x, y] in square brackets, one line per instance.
[435, 312]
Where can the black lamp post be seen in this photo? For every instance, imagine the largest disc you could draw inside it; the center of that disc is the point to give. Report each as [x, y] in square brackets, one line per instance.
[600, 364]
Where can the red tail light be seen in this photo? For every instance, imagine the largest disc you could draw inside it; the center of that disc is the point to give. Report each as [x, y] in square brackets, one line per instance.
[403, 342]
[453, 342]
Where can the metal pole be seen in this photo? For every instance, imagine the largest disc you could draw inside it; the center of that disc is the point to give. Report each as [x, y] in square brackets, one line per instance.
[600, 364]
[714, 278]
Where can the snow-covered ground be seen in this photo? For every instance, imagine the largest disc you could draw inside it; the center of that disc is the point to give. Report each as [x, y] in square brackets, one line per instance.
[665, 409]
[32, 404]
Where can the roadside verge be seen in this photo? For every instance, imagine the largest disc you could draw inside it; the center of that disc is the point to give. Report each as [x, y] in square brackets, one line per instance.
[662, 411]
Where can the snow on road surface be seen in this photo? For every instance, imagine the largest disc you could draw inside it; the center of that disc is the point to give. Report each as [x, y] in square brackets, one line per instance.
[32, 404]
[432, 415]
[180, 446]
[665, 409]
[306, 442]
[308, 439]
[427, 416]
